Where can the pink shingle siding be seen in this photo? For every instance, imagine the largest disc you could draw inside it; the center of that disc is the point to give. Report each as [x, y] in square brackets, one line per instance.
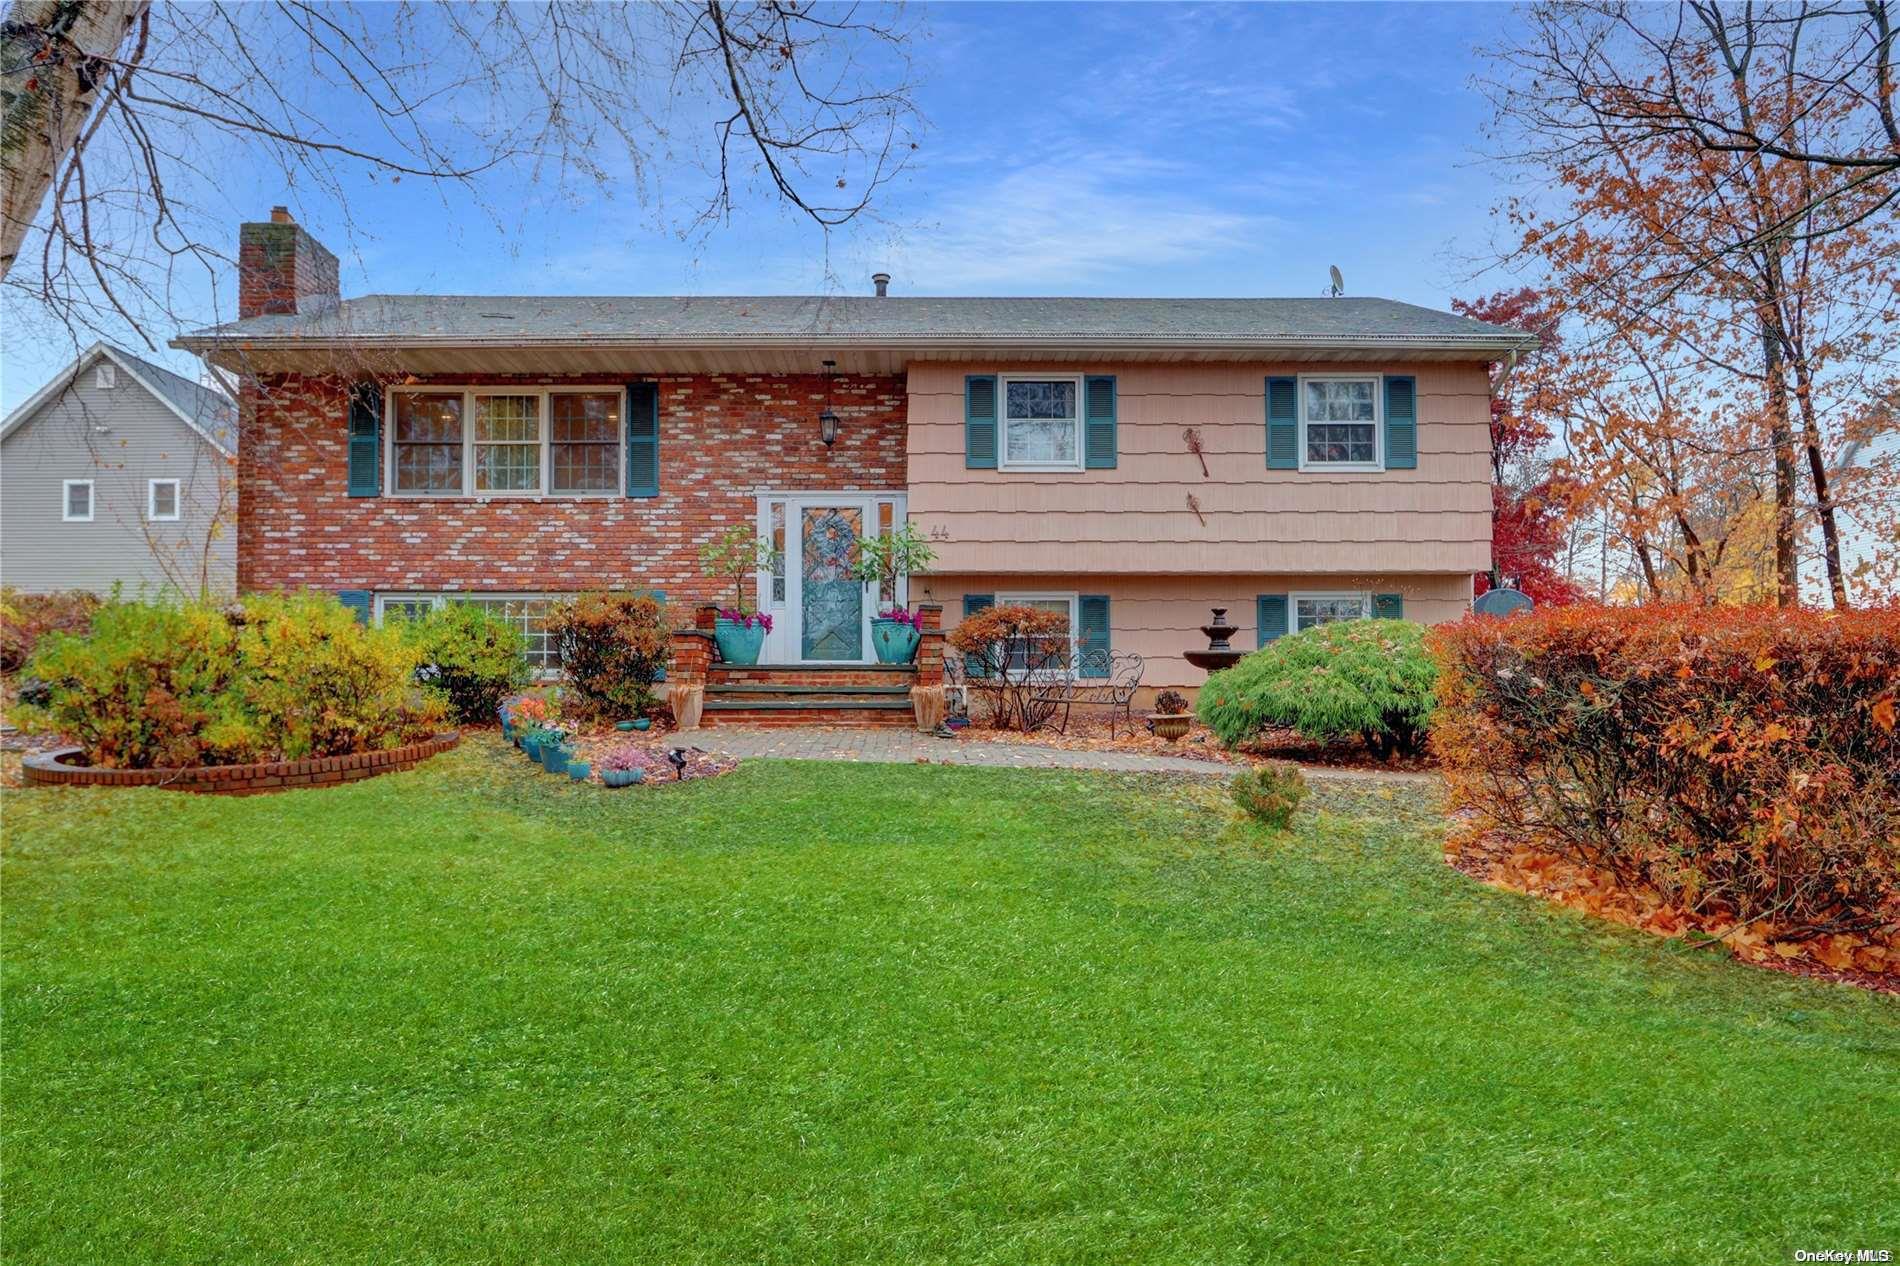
[1136, 519]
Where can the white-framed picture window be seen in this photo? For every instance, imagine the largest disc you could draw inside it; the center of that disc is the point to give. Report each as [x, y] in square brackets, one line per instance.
[161, 500]
[528, 612]
[1042, 422]
[1065, 604]
[1310, 610]
[446, 441]
[75, 501]
[1340, 417]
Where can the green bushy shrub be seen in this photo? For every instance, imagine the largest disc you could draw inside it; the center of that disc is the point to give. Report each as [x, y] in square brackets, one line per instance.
[612, 647]
[25, 618]
[1369, 678]
[473, 658]
[1271, 793]
[157, 684]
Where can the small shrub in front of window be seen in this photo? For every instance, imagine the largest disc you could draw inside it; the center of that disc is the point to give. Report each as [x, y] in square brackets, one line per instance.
[611, 647]
[1366, 679]
[1271, 794]
[1009, 652]
[473, 658]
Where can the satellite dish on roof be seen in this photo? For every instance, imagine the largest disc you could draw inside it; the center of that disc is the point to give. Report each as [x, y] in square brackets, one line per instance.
[1501, 602]
[1338, 287]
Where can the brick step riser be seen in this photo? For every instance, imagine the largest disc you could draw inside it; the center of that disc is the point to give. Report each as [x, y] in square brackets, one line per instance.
[814, 716]
[840, 680]
[829, 699]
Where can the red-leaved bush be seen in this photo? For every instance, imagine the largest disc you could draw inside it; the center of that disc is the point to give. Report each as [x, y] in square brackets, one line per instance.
[1739, 762]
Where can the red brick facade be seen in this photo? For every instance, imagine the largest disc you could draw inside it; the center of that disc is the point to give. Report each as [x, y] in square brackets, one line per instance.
[723, 437]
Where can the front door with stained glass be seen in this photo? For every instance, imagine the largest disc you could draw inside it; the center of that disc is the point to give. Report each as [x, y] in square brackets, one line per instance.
[831, 609]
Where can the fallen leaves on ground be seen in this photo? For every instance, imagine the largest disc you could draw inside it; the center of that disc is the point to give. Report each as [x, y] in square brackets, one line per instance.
[1855, 960]
[1091, 734]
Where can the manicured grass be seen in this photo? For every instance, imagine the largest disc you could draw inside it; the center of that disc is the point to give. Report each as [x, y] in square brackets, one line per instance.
[816, 1013]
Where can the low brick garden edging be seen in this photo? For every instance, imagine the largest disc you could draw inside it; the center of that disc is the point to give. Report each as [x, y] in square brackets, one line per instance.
[55, 769]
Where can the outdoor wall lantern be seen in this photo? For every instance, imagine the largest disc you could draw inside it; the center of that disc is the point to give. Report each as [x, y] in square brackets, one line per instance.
[828, 421]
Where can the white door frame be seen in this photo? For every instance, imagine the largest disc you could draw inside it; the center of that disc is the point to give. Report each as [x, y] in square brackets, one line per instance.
[784, 644]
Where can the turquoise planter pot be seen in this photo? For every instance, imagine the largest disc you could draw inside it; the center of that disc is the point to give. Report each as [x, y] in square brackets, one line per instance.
[554, 758]
[894, 641]
[530, 746]
[578, 770]
[622, 777]
[737, 643]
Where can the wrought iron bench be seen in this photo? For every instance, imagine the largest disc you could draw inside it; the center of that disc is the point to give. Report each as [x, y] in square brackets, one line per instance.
[1112, 686]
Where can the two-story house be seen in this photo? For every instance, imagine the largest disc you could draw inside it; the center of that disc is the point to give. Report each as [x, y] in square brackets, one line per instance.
[1134, 462]
[119, 474]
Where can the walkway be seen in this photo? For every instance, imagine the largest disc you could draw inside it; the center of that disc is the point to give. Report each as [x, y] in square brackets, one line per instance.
[893, 745]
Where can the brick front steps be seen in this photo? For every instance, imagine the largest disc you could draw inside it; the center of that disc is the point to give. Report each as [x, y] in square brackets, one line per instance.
[57, 769]
[792, 695]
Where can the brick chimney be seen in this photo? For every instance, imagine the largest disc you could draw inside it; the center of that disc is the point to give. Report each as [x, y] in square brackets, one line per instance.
[282, 269]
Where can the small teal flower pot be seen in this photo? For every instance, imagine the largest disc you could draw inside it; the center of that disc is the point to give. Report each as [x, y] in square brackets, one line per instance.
[643, 723]
[578, 770]
[737, 643]
[622, 777]
[530, 745]
[554, 758]
[894, 641]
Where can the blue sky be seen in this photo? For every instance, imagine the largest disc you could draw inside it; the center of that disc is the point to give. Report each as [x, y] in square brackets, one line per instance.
[1070, 149]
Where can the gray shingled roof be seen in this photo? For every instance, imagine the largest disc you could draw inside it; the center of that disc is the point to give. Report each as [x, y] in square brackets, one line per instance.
[778, 318]
[214, 412]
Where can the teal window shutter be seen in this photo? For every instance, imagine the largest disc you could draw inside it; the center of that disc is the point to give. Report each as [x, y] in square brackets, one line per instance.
[1270, 616]
[1401, 422]
[358, 601]
[979, 422]
[1098, 431]
[973, 603]
[366, 440]
[643, 439]
[1283, 424]
[1388, 606]
[1091, 642]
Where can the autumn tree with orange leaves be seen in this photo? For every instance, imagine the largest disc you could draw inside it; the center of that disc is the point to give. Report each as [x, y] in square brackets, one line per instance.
[1716, 210]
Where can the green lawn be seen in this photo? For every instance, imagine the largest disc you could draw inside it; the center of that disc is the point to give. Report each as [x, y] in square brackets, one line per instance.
[815, 1013]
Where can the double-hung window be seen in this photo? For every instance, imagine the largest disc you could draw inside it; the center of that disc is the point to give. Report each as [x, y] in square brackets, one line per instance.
[447, 442]
[161, 500]
[1062, 604]
[1339, 423]
[528, 613]
[1042, 423]
[1310, 610]
[75, 501]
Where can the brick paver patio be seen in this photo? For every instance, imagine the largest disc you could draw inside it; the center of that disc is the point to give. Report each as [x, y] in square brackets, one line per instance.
[905, 747]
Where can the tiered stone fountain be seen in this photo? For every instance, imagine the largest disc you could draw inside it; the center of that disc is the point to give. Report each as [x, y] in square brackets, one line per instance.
[1218, 654]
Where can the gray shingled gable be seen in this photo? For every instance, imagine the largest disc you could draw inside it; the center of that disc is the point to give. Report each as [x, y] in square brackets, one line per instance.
[507, 318]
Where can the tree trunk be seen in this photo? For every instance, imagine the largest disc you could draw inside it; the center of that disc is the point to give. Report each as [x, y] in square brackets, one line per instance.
[49, 63]
[1781, 433]
[1823, 495]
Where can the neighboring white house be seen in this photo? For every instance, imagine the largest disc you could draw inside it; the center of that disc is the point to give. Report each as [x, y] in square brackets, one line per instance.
[119, 472]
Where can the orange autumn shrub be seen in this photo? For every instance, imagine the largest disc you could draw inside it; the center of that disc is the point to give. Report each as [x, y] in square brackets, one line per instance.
[1738, 762]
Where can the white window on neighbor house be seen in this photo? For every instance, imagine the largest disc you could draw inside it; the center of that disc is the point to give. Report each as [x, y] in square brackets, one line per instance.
[1063, 604]
[495, 442]
[1313, 609]
[105, 375]
[1042, 423]
[528, 612]
[1339, 422]
[161, 500]
[76, 501]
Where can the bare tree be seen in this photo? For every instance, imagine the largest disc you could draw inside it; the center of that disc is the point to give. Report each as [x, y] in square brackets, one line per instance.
[119, 114]
[1728, 174]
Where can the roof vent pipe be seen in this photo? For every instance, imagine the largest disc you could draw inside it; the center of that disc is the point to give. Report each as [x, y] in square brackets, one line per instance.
[883, 283]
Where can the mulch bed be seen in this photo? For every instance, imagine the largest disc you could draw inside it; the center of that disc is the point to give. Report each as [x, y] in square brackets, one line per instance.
[1847, 960]
[592, 744]
[1091, 734]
